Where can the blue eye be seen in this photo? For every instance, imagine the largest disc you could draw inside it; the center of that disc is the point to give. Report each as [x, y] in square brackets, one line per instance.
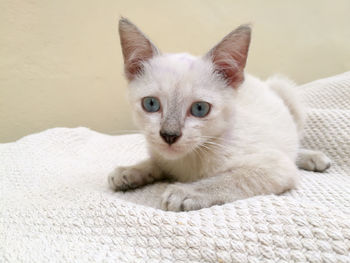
[150, 104]
[200, 109]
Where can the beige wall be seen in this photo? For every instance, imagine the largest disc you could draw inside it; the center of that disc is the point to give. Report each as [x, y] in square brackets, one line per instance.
[60, 61]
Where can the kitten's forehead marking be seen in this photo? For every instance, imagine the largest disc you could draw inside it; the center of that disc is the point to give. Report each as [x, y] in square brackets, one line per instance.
[172, 121]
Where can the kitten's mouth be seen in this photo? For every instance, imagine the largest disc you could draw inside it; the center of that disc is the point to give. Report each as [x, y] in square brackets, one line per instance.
[171, 151]
[171, 148]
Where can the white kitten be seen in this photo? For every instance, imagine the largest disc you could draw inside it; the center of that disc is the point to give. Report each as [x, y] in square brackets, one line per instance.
[221, 134]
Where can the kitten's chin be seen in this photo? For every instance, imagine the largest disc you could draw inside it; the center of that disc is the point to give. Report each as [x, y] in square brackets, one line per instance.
[172, 152]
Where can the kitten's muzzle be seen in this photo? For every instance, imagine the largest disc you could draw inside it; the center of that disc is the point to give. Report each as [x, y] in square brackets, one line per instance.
[170, 138]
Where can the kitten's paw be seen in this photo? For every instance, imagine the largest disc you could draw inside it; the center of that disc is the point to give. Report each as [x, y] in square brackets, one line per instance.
[178, 197]
[313, 161]
[125, 178]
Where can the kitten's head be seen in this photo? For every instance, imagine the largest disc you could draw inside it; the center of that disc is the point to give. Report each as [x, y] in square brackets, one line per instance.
[180, 102]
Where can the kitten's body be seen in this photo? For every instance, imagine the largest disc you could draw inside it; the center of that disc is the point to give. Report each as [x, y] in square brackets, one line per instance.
[246, 144]
[258, 123]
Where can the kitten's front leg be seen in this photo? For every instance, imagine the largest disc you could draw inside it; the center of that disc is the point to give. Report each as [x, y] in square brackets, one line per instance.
[129, 177]
[272, 173]
[183, 197]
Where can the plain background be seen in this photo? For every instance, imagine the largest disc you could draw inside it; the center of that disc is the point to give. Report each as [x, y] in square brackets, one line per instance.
[61, 64]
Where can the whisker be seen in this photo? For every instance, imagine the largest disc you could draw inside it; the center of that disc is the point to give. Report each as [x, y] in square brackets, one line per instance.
[218, 146]
[216, 138]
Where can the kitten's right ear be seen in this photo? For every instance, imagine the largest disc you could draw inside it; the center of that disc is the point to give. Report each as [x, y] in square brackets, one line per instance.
[136, 47]
[230, 55]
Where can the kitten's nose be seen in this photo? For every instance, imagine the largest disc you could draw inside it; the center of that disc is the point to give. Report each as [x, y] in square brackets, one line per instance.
[170, 138]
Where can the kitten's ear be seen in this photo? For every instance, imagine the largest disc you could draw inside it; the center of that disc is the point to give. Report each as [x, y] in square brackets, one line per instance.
[230, 55]
[136, 47]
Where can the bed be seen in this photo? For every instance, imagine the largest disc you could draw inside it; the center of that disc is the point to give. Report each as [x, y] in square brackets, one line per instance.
[55, 204]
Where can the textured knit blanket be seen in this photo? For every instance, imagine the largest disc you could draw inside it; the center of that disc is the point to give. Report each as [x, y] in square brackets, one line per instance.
[55, 205]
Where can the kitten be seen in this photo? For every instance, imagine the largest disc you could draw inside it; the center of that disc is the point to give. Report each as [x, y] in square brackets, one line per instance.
[223, 135]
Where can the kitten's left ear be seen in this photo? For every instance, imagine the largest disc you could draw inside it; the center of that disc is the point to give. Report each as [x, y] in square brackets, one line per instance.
[136, 47]
[230, 55]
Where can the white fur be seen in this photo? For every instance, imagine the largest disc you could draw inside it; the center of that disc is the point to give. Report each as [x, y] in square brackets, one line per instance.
[241, 122]
[247, 144]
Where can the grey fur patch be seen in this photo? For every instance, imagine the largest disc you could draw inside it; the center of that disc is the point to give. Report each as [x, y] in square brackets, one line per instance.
[172, 121]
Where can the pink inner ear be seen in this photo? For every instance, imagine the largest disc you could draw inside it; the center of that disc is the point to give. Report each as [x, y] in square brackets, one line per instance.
[133, 68]
[230, 55]
[136, 47]
[134, 61]
[230, 71]
[136, 51]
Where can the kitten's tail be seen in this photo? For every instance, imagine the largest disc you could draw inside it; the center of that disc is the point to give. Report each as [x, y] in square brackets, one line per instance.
[285, 88]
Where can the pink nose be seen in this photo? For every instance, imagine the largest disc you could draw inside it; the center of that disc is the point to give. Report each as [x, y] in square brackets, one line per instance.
[170, 138]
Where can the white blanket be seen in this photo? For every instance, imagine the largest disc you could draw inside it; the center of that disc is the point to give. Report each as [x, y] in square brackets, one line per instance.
[55, 205]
